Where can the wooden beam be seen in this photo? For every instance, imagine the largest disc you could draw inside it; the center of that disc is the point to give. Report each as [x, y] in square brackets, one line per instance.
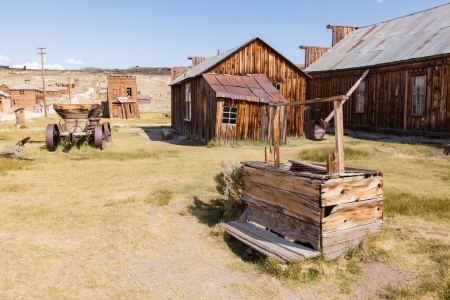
[349, 93]
[339, 136]
[313, 101]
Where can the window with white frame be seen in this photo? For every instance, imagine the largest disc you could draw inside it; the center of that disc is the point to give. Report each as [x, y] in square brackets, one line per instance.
[418, 95]
[229, 115]
[188, 102]
[360, 97]
[21, 92]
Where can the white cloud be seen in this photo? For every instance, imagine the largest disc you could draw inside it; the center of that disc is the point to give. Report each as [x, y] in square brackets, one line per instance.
[75, 62]
[4, 58]
[37, 66]
[379, 1]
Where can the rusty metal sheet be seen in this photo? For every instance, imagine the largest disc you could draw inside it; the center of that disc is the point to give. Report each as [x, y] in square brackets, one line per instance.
[251, 87]
[422, 34]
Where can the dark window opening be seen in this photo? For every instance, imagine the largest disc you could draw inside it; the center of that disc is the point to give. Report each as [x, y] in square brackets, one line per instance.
[129, 92]
[229, 115]
[277, 86]
[418, 95]
[360, 97]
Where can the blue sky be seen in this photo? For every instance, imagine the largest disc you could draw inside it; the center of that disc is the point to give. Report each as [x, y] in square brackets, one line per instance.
[149, 33]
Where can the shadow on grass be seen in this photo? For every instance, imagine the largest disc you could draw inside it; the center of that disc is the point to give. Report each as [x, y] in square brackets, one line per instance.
[211, 213]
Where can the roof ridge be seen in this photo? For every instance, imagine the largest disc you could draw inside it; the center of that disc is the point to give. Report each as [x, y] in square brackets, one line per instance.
[401, 17]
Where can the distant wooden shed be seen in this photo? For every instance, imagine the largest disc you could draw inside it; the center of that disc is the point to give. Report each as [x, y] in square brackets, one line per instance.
[122, 97]
[5, 102]
[192, 104]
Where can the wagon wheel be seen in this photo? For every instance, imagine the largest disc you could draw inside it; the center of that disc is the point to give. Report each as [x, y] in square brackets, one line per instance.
[52, 137]
[99, 136]
[107, 130]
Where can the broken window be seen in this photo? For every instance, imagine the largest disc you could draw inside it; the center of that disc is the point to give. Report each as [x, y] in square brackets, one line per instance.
[229, 115]
[277, 86]
[360, 97]
[128, 92]
[418, 95]
[188, 102]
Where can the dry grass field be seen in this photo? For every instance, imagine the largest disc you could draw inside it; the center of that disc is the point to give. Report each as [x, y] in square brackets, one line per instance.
[140, 221]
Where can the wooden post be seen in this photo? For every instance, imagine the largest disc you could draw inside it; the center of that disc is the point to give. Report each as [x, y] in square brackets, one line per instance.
[339, 136]
[330, 163]
[276, 137]
[43, 79]
[273, 153]
[68, 86]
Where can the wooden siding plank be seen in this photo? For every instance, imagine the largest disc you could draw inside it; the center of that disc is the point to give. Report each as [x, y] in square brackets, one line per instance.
[349, 215]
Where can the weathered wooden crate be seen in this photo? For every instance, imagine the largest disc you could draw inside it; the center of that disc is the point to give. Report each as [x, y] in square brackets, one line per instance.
[302, 203]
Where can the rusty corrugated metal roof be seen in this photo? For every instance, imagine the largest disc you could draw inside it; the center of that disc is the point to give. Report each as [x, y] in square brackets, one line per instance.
[250, 87]
[422, 34]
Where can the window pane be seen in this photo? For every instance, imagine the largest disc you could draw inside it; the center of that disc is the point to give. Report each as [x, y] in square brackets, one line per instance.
[229, 115]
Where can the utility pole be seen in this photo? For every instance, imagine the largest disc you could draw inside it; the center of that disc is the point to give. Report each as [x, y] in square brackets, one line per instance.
[41, 52]
[68, 85]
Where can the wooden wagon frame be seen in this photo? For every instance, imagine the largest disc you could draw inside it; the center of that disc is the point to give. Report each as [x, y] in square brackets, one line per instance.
[78, 121]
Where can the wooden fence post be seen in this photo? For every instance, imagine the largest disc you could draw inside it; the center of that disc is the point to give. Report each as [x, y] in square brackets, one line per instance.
[273, 153]
[339, 136]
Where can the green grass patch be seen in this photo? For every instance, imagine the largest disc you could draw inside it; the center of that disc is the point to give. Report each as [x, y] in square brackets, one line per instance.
[409, 204]
[320, 154]
[160, 197]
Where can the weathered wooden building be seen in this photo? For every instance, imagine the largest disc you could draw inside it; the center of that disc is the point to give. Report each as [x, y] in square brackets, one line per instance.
[25, 95]
[52, 92]
[122, 97]
[407, 89]
[189, 91]
[241, 107]
[144, 99]
[5, 102]
[5, 88]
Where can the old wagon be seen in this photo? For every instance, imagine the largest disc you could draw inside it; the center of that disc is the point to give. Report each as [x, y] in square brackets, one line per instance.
[78, 121]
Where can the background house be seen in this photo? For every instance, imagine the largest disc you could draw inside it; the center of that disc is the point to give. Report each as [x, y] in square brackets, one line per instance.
[253, 57]
[25, 95]
[5, 88]
[52, 92]
[5, 102]
[122, 97]
[407, 89]
[144, 99]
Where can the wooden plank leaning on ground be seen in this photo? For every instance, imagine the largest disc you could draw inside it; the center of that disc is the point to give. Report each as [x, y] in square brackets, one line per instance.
[267, 243]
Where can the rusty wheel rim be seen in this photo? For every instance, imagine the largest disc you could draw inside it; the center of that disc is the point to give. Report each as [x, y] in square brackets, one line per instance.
[99, 137]
[52, 137]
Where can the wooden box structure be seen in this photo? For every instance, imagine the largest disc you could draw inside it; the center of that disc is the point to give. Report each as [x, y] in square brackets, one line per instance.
[325, 212]
[308, 208]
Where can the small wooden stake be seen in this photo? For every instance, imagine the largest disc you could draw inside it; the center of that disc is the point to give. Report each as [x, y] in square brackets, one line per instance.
[330, 163]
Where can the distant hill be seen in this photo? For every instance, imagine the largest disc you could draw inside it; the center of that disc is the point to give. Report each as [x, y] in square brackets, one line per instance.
[134, 70]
